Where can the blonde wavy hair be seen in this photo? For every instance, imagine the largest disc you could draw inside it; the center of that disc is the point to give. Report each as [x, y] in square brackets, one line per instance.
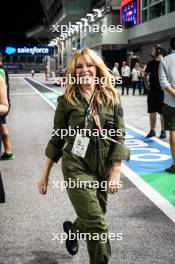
[105, 92]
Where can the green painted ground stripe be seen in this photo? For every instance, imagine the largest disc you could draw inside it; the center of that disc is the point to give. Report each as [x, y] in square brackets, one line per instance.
[162, 182]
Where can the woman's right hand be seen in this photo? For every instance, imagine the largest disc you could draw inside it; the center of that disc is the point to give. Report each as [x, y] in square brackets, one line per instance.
[43, 182]
[42, 185]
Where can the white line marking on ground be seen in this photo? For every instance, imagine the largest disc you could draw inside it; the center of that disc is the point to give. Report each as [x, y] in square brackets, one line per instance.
[57, 92]
[45, 99]
[149, 192]
[159, 141]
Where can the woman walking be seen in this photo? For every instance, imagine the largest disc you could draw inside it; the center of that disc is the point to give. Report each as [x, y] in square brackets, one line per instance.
[92, 105]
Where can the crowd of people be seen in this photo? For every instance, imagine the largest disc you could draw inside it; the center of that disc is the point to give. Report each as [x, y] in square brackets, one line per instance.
[157, 80]
[130, 78]
[145, 78]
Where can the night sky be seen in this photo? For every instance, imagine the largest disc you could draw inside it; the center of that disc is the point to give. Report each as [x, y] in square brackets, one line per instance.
[21, 16]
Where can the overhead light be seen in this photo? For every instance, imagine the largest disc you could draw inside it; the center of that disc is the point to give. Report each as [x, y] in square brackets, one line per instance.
[69, 33]
[85, 20]
[91, 16]
[54, 41]
[65, 35]
[72, 30]
[59, 40]
[51, 44]
[62, 37]
[99, 12]
[79, 24]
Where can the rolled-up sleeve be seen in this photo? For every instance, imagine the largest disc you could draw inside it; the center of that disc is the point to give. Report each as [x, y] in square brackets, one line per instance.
[56, 143]
[163, 78]
[119, 151]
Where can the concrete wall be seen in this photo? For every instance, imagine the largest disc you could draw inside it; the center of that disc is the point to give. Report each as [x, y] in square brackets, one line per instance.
[157, 28]
[146, 50]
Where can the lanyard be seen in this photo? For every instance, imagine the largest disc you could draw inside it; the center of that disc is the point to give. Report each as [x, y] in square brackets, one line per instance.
[93, 107]
[89, 109]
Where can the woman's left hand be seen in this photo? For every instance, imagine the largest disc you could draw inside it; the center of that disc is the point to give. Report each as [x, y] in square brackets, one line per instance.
[114, 179]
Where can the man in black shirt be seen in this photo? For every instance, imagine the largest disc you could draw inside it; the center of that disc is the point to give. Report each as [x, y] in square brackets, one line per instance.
[155, 93]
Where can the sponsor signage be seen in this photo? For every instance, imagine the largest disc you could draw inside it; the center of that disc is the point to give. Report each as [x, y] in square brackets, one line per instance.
[27, 50]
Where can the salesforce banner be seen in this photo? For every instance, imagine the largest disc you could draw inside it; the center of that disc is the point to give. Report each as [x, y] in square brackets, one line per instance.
[27, 50]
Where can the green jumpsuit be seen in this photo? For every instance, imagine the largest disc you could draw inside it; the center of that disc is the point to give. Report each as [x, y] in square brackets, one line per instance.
[89, 203]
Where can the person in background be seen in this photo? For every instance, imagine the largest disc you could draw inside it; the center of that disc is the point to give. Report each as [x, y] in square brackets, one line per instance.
[125, 73]
[3, 110]
[8, 153]
[33, 73]
[115, 72]
[167, 82]
[142, 73]
[136, 78]
[155, 93]
[3, 97]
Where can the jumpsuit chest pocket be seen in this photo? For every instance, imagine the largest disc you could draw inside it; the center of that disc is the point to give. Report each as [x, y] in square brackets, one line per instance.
[108, 121]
